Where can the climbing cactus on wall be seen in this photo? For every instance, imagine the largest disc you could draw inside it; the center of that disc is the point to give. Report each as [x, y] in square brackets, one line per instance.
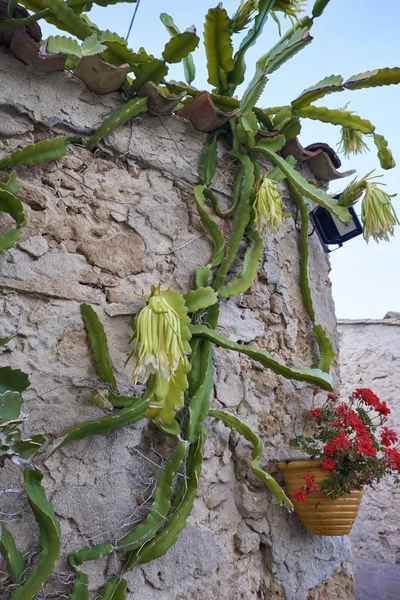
[173, 334]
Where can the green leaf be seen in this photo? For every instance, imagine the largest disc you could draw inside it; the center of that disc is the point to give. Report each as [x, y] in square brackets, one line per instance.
[210, 226]
[11, 6]
[253, 92]
[10, 406]
[11, 205]
[218, 43]
[103, 3]
[13, 557]
[98, 342]
[307, 189]
[202, 297]
[27, 448]
[40, 152]
[13, 380]
[61, 44]
[384, 154]
[327, 355]
[77, 558]
[159, 545]
[121, 115]
[235, 423]
[374, 78]
[336, 117]
[284, 51]
[239, 66]
[274, 144]
[155, 70]
[188, 64]
[67, 18]
[10, 183]
[81, 587]
[161, 506]
[319, 7]
[208, 157]
[124, 417]
[180, 46]
[247, 275]
[116, 590]
[328, 85]
[92, 45]
[9, 239]
[313, 376]
[50, 536]
[200, 389]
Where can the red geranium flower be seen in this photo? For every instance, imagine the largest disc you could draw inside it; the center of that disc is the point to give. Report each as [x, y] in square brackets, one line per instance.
[367, 395]
[328, 463]
[316, 413]
[382, 408]
[299, 496]
[366, 446]
[388, 436]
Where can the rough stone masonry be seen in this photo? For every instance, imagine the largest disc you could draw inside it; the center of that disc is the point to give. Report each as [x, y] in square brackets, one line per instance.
[102, 227]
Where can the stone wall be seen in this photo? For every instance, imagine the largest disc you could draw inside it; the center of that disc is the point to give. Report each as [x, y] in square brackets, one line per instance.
[100, 229]
[370, 357]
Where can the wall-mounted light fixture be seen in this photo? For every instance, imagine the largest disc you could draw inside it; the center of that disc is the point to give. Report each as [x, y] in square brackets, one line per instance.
[331, 231]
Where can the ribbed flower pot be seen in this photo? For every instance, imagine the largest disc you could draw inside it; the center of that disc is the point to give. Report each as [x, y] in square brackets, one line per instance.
[319, 514]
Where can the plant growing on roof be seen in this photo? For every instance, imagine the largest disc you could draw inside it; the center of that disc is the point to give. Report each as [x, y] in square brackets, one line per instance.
[175, 334]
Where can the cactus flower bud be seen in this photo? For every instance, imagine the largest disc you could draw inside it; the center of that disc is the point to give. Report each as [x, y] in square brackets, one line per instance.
[352, 142]
[377, 213]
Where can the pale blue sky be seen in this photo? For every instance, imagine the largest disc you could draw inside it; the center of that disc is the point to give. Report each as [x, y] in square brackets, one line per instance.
[351, 37]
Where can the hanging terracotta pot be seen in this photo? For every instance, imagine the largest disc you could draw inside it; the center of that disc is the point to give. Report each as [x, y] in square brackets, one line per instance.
[100, 76]
[320, 514]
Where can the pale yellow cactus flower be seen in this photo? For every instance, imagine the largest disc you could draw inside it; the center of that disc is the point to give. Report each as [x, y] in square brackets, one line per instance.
[268, 206]
[159, 345]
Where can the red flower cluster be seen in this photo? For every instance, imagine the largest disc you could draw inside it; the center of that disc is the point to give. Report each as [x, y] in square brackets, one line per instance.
[352, 441]
[307, 489]
[372, 400]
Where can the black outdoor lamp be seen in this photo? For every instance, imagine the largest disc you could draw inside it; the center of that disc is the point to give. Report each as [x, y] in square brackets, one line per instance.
[331, 230]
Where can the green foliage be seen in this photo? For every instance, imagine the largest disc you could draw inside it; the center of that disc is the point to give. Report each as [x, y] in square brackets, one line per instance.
[40, 152]
[210, 226]
[121, 115]
[68, 18]
[98, 343]
[384, 154]
[337, 117]
[233, 421]
[180, 46]
[200, 387]
[247, 275]
[253, 91]
[328, 85]
[12, 556]
[125, 416]
[81, 587]
[187, 61]
[116, 590]
[201, 298]
[50, 536]
[218, 44]
[155, 70]
[319, 7]
[374, 78]
[160, 508]
[160, 544]
[313, 376]
[326, 352]
[208, 157]
[288, 47]
[76, 559]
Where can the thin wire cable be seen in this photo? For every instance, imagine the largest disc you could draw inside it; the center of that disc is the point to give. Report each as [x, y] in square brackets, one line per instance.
[133, 19]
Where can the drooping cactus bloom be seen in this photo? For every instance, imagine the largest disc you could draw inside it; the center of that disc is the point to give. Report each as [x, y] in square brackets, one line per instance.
[291, 8]
[352, 142]
[268, 206]
[377, 213]
[354, 191]
[159, 345]
[243, 15]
